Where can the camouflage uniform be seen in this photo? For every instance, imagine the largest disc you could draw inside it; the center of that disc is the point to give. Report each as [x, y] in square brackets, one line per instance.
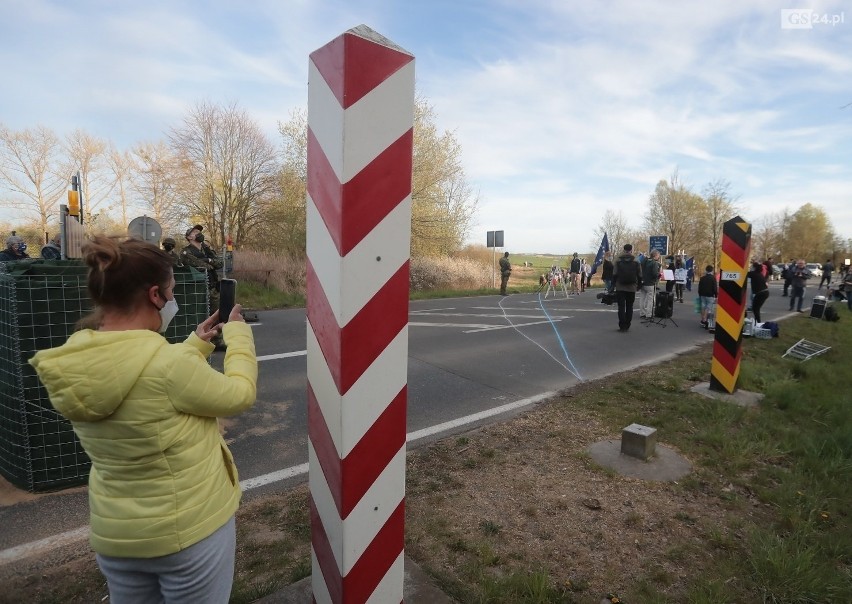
[205, 259]
[169, 248]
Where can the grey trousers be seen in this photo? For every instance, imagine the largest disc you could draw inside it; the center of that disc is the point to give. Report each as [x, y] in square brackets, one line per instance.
[203, 572]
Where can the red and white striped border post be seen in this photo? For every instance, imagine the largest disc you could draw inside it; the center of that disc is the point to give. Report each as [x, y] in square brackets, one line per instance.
[360, 128]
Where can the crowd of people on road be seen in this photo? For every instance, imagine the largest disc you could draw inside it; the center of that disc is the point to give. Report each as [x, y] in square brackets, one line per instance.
[621, 287]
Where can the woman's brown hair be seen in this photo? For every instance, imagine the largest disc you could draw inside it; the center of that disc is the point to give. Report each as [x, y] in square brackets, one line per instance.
[121, 271]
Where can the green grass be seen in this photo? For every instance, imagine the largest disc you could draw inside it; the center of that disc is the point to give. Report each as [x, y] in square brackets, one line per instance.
[793, 454]
[254, 296]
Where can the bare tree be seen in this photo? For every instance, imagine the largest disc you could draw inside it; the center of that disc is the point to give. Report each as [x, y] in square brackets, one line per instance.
[614, 224]
[89, 155]
[121, 165]
[720, 207]
[155, 180]
[767, 237]
[28, 167]
[229, 170]
[674, 210]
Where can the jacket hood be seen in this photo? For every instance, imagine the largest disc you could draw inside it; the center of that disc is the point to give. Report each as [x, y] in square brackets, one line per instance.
[89, 376]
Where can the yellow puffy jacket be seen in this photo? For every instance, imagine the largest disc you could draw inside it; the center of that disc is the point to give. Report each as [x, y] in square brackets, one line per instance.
[146, 413]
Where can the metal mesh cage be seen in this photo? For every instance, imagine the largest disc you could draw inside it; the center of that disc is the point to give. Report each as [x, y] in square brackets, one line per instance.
[40, 303]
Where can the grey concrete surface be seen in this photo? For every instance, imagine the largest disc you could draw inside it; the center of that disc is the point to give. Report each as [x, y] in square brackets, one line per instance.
[743, 398]
[666, 465]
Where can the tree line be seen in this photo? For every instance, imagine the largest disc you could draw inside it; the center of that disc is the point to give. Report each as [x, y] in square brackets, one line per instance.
[693, 223]
[218, 168]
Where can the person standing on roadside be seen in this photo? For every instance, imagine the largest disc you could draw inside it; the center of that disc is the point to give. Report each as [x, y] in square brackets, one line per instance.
[163, 487]
[650, 277]
[827, 270]
[787, 275]
[759, 289]
[847, 287]
[798, 279]
[708, 291]
[769, 268]
[574, 273]
[505, 273]
[628, 277]
[606, 271]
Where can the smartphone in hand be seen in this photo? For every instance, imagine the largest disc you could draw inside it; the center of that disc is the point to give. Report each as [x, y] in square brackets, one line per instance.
[227, 298]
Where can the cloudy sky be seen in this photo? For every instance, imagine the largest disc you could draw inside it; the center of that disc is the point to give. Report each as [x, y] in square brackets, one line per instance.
[563, 108]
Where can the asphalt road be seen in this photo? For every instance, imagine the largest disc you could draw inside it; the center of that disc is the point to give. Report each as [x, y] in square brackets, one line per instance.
[466, 356]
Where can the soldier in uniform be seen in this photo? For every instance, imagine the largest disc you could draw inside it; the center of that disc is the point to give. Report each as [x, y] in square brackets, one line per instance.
[169, 247]
[201, 256]
[505, 272]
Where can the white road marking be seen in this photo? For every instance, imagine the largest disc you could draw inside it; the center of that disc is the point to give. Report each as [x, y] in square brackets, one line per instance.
[33, 548]
[26, 550]
[515, 326]
[283, 355]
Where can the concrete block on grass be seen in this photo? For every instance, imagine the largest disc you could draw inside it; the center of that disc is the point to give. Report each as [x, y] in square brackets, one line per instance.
[639, 441]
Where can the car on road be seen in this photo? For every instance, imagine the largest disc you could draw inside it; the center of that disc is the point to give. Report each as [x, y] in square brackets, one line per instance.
[815, 269]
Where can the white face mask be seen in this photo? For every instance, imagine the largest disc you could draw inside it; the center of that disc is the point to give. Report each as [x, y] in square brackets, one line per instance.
[167, 313]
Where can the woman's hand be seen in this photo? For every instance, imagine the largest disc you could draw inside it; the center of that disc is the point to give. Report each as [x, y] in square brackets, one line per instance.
[236, 314]
[212, 327]
[209, 328]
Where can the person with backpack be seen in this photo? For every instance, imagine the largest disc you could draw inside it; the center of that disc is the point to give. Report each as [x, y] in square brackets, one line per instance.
[628, 278]
[650, 275]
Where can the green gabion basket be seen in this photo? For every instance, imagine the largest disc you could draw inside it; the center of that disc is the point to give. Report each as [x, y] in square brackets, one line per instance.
[41, 301]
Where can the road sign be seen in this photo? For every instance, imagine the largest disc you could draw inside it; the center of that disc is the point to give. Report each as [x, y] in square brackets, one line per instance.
[659, 243]
[494, 239]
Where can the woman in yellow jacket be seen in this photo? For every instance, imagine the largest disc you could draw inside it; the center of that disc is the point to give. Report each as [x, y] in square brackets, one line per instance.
[163, 488]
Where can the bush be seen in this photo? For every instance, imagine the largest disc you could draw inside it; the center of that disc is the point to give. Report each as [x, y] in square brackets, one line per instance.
[448, 273]
[286, 273]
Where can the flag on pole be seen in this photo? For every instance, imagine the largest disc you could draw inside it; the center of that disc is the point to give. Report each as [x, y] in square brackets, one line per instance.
[690, 272]
[604, 247]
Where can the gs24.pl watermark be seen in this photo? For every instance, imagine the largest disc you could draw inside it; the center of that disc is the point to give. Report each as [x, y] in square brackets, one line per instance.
[808, 18]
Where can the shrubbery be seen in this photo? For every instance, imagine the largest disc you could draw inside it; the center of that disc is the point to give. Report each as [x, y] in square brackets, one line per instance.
[449, 273]
[286, 273]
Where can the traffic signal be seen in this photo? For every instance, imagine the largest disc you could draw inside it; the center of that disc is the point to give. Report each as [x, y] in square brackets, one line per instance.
[74, 203]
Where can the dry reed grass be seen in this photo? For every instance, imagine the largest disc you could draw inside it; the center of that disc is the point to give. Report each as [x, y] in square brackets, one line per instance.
[286, 273]
[448, 273]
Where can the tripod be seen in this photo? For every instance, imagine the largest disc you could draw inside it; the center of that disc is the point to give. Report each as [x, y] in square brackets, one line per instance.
[663, 308]
[553, 282]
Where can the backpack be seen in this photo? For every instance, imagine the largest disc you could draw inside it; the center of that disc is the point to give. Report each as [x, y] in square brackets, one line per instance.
[830, 314]
[772, 327]
[626, 273]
